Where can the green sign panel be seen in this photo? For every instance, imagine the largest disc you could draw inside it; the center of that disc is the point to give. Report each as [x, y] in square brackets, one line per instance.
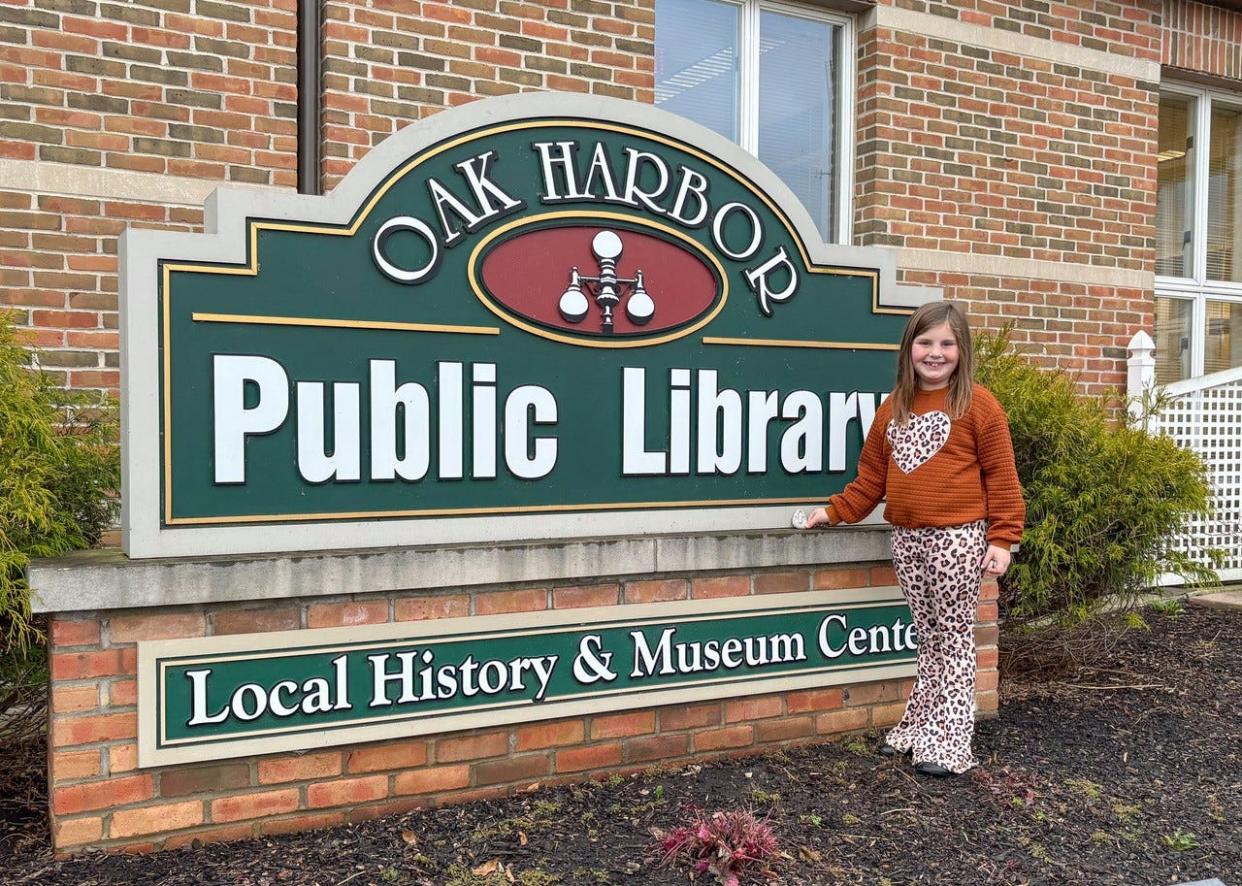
[220, 697]
[534, 316]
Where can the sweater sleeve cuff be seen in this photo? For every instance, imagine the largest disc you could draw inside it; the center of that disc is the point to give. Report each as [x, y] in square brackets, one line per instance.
[833, 517]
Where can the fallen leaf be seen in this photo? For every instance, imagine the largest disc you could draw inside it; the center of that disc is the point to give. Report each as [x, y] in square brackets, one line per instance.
[410, 838]
[522, 838]
[806, 853]
[487, 868]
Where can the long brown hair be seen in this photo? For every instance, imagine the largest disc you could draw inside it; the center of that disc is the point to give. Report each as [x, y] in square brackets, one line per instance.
[960, 383]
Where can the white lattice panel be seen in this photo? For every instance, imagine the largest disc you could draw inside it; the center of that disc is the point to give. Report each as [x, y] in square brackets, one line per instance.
[1205, 416]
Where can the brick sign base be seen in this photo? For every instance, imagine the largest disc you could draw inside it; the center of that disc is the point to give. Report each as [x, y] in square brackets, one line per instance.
[100, 797]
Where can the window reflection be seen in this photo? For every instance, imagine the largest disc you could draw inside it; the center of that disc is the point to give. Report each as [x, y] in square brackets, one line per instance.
[1222, 336]
[797, 89]
[697, 72]
[1174, 188]
[787, 112]
[1173, 331]
[1224, 201]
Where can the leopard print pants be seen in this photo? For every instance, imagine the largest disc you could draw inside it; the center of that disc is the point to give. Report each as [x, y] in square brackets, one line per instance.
[938, 570]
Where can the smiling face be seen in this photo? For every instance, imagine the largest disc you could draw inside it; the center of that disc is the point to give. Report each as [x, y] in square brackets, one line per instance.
[934, 356]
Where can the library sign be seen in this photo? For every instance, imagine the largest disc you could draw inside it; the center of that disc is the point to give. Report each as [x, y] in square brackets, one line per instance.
[534, 317]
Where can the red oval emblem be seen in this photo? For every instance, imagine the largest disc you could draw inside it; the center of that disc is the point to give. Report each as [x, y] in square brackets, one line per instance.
[600, 283]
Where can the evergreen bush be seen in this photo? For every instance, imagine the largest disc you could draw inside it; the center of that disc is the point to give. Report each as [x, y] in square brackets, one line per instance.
[59, 472]
[1103, 498]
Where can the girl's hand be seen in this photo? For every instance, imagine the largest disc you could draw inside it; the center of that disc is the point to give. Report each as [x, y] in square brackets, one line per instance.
[995, 561]
[817, 517]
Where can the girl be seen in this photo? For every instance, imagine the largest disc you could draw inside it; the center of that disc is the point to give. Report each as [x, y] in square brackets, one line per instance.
[939, 452]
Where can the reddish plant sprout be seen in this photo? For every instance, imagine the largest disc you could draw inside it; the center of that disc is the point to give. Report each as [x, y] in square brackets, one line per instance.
[1011, 787]
[735, 846]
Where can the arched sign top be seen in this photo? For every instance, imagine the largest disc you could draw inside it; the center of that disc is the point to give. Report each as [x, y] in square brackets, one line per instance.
[536, 316]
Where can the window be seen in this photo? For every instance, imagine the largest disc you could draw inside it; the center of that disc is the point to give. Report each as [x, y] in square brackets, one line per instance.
[768, 76]
[1198, 233]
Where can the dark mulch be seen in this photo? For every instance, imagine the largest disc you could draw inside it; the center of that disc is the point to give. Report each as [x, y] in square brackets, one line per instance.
[1129, 774]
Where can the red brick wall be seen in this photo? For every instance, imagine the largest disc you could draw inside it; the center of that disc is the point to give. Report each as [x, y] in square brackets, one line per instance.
[1202, 38]
[1083, 328]
[58, 277]
[975, 151]
[386, 66]
[99, 797]
[153, 87]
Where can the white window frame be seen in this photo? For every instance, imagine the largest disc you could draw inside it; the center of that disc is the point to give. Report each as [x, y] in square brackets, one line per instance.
[748, 99]
[1197, 287]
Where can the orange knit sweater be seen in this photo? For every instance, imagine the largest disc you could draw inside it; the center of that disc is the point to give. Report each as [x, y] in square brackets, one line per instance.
[937, 472]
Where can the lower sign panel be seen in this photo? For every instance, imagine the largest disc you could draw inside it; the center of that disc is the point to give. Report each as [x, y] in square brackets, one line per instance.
[241, 695]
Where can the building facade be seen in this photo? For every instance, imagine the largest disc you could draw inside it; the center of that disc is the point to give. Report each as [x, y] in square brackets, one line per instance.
[1071, 168]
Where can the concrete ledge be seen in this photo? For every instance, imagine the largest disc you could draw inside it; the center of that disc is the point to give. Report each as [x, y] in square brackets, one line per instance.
[1231, 599]
[107, 183]
[91, 580]
[998, 39]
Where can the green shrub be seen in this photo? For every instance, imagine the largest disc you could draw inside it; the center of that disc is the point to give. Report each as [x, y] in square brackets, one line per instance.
[59, 470]
[23, 695]
[1103, 498]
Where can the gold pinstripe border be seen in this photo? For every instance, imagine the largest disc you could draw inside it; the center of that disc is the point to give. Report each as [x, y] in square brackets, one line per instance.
[504, 509]
[328, 323]
[795, 343]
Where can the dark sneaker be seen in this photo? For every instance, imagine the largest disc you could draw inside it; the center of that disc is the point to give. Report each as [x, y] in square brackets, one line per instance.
[932, 770]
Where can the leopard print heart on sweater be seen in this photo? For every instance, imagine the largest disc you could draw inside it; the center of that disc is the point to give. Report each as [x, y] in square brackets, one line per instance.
[917, 441]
